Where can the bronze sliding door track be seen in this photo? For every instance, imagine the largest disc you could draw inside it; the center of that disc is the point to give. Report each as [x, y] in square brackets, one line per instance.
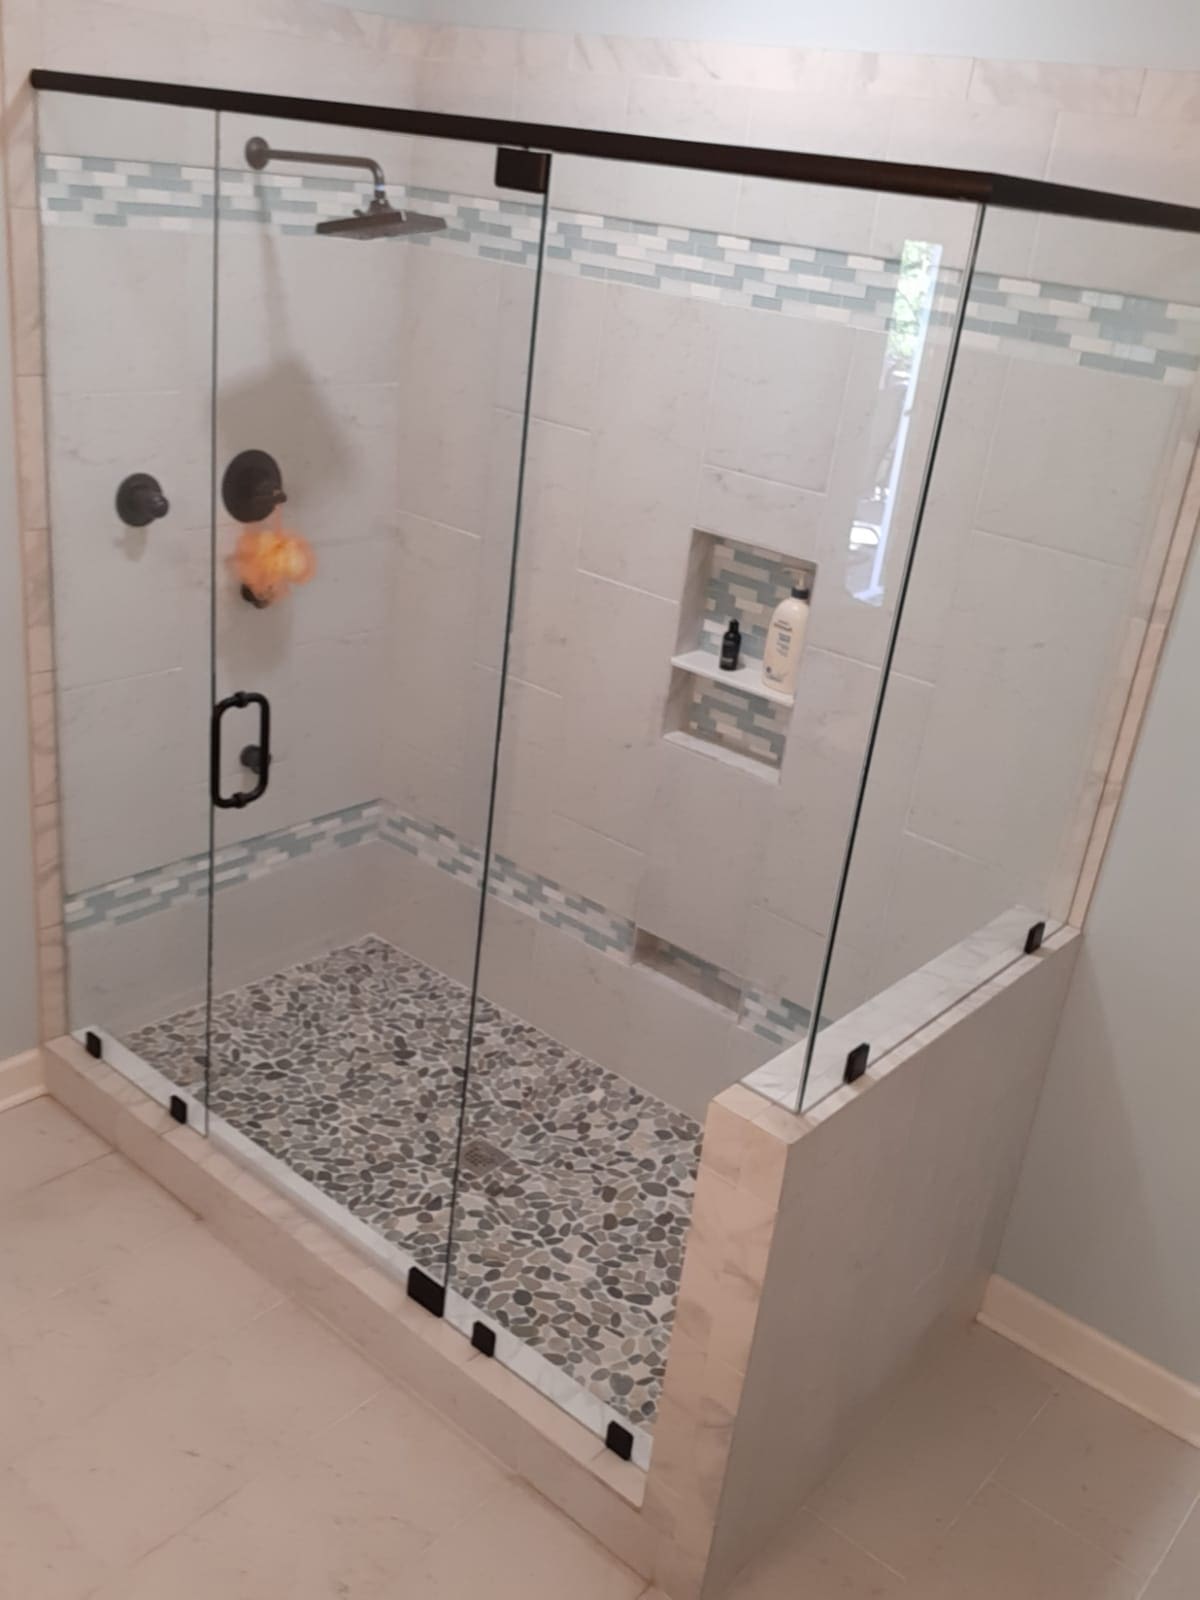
[892, 177]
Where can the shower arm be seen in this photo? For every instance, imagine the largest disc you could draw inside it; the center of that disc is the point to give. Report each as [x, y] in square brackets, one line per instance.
[259, 153]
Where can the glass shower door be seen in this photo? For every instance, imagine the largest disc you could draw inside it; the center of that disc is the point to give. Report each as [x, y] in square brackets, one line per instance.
[375, 299]
[733, 398]
[126, 225]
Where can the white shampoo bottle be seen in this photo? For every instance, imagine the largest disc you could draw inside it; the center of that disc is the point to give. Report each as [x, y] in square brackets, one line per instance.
[785, 640]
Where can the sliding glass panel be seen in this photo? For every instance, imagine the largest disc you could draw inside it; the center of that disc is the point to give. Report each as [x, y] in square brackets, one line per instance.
[126, 210]
[1069, 437]
[732, 398]
[376, 302]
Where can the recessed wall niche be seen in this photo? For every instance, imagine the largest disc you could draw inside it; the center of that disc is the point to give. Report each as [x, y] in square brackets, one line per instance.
[734, 716]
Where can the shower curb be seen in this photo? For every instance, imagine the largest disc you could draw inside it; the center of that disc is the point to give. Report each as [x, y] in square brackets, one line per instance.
[526, 1433]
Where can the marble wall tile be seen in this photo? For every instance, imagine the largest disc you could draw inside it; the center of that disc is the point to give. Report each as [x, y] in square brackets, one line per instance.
[615, 695]
[526, 773]
[847, 1238]
[1077, 462]
[821, 772]
[976, 399]
[580, 996]
[575, 100]
[873, 905]
[129, 975]
[327, 756]
[31, 455]
[781, 954]
[1173, 96]
[25, 289]
[570, 337]
[803, 368]
[1129, 155]
[824, 124]
[705, 847]
[43, 738]
[496, 48]
[595, 864]
[779, 516]
[610, 54]
[677, 1046]
[1115, 91]
[553, 497]
[38, 601]
[926, 77]
[129, 130]
[466, 87]
[52, 981]
[1181, 539]
[1017, 139]
[153, 726]
[47, 865]
[1003, 795]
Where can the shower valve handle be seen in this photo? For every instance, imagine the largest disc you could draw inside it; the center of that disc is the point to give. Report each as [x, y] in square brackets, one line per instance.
[140, 500]
[238, 702]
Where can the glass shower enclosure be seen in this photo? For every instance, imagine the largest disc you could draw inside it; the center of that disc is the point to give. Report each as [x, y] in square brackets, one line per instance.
[417, 844]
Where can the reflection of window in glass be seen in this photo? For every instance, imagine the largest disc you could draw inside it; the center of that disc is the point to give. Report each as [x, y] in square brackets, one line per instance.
[908, 327]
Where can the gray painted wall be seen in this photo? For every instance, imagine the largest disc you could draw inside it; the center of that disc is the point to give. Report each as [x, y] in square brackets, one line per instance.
[1105, 1220]
[18, 968]
[1140, 33]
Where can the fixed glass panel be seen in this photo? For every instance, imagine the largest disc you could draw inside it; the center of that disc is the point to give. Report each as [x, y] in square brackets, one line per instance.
[728, 402]
[376, 300]
[1070, 431]
[126, 214]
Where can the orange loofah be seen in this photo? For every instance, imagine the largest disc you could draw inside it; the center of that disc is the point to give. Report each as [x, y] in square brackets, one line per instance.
[268, 561]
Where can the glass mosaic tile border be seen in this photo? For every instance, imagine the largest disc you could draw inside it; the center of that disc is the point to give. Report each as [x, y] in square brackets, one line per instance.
[739, 722]
[746, 582]
[1136, 335]
[775, 1018]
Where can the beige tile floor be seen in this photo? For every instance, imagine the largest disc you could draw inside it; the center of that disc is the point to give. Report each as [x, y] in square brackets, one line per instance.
[171, 1429]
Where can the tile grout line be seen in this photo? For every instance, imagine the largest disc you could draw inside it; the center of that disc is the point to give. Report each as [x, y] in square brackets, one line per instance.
[1171, 1543]
[253, 1477]
[1073, 1533]
[1046, 1403]
[67, 1172]
[1049, 1517]
[855, 1544]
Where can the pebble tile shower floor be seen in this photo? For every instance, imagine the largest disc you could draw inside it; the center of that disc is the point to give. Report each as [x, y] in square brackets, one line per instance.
[575, 1188]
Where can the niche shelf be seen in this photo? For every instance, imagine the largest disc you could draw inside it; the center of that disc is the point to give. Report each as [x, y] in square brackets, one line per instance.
[748, 679]
[734, 717]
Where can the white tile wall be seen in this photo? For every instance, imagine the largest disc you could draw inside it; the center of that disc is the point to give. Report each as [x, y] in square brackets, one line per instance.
[1043, 483]
[776, 398]
[706, 843]
[887, 1221]
[158, 296]
[653, 390]
[616, 691]
[133, 761]
[995, 768]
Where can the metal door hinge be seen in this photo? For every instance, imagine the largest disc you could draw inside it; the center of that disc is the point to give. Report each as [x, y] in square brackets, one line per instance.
[527, 170]
[426, 1292]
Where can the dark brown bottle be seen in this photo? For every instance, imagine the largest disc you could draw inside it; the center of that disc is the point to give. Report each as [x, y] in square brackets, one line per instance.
[731, 647]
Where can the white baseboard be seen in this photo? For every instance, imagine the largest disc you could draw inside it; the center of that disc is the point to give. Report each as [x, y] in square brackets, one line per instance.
[21, 1079]
[1095, 1359]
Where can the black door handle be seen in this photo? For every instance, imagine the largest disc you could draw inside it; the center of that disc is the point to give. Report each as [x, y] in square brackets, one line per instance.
[238, 702]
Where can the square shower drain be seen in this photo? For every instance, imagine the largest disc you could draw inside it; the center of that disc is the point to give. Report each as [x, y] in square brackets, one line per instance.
[480, 1156]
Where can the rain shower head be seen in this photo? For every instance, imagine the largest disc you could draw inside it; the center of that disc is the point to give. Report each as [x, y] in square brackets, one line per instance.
[380, 220]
